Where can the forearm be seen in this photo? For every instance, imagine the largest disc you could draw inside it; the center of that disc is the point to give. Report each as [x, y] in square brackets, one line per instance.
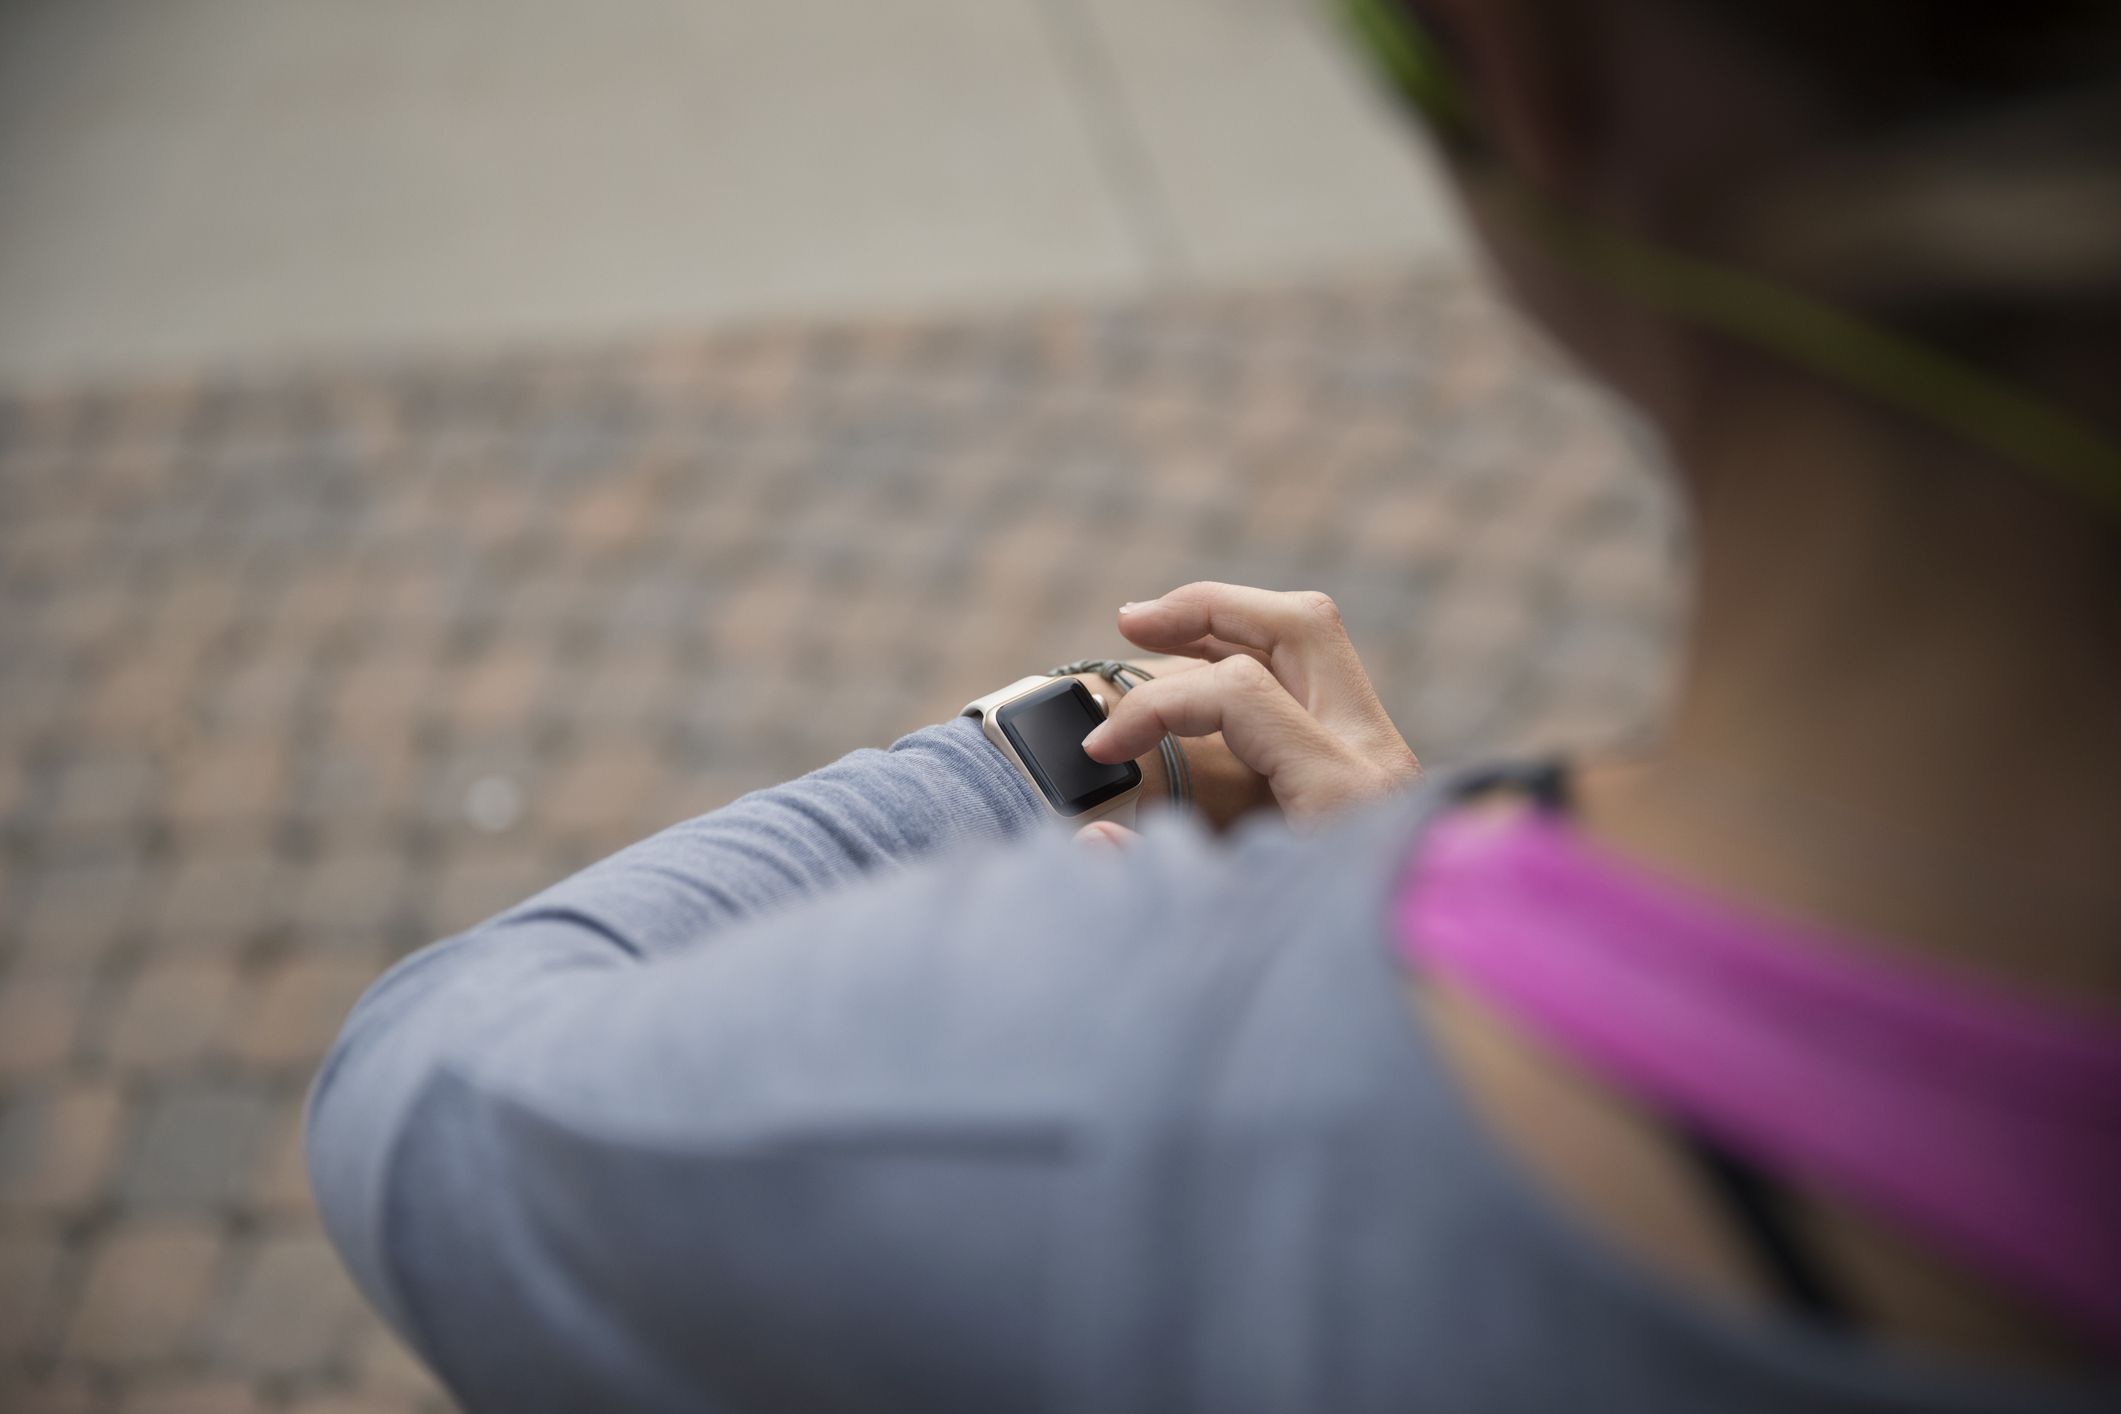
[871, 809]
[668, 895]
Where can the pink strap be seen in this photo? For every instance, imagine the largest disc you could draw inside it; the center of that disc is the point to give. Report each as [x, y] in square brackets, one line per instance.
[1988, 1121]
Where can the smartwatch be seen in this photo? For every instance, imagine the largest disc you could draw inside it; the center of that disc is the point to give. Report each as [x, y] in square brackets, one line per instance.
[1039, 723]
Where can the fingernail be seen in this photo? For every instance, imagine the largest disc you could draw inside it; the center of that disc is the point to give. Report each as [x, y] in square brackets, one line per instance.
[1129, 607]
[1096, 733]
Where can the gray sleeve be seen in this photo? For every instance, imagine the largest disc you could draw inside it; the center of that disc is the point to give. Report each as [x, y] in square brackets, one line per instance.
[712, 1125]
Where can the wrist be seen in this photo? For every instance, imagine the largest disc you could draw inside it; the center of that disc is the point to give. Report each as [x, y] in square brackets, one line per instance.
[1221, 789]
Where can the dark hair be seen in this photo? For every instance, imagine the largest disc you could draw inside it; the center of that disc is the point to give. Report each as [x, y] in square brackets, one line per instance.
[1903, 55]
[1947, 196]
[2012, 107]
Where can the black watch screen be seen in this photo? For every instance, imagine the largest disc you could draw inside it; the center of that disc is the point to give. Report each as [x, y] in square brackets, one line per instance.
[1047, 727]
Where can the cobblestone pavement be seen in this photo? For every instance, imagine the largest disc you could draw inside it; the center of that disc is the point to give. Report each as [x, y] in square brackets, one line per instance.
[300, 671]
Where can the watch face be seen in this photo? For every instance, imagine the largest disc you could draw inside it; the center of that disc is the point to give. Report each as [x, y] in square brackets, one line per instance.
[1047, 728]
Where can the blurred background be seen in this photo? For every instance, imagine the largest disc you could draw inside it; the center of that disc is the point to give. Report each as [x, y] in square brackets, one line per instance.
[443, 441]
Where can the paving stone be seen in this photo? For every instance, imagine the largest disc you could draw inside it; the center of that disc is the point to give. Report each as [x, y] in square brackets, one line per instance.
[192, 1394]
[133, 695]
[56, 1392]
[292, 1308]
[449, 796]
[351, 894]
[499, 691]
[109, 790]
[57, 1144]
[240, 780]
[380, 1402]
[197, 604]
[494, 514]
[170, 1015]
[219, 896]
[194, 1145]
[39, 701]
[624, 690]
[358, 784]
[612, 788]
[614, 513]
[31, 1258]
[280, 1186]
[701, 791]
[381, 1363]
[384, 693]
[326, 595]
[146, 1291]
[475, 884]
[260, 695]
[293, 1009]
[14, 780]
[39, 1019]
[79, 909]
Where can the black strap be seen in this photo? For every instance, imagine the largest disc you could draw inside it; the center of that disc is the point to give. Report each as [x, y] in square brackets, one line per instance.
[1546, 782]
[1548, 785]
[1756, 1203]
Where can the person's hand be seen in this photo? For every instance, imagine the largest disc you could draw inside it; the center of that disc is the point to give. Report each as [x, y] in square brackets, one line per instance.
[1284, 688]
[1224, 789]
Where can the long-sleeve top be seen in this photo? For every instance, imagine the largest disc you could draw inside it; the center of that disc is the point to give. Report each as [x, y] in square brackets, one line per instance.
[873, 1091]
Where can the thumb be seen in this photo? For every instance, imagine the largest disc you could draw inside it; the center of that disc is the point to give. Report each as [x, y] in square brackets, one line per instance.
[1103, 834]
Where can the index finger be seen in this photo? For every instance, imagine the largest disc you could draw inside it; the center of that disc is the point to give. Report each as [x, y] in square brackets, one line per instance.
[1261, 724]
[1236, 614]
[1298, 634]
